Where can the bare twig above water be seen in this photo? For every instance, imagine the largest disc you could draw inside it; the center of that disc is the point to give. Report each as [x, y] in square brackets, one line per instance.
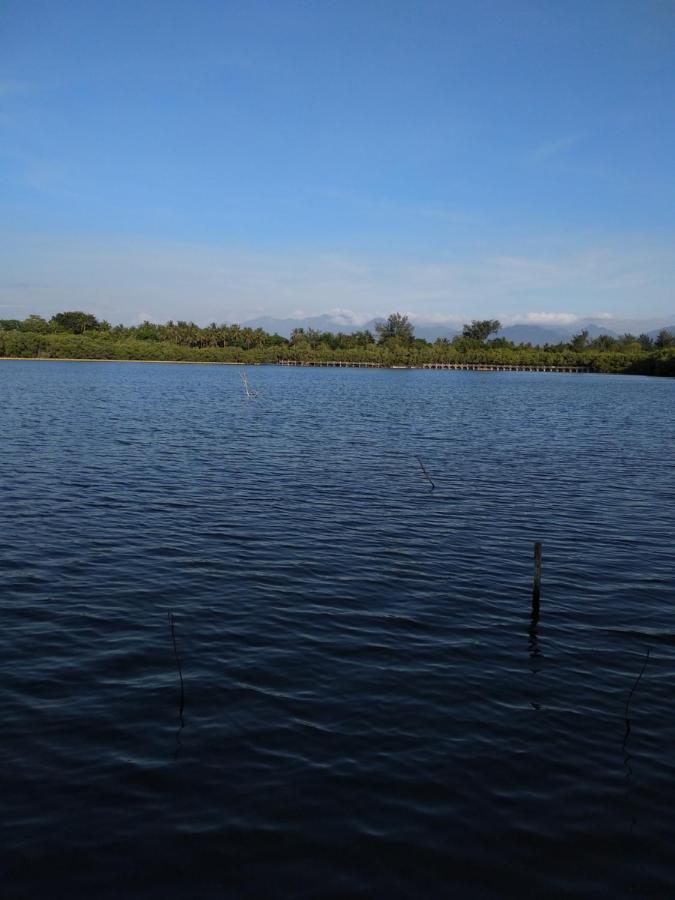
[249, 392]
[425, 473]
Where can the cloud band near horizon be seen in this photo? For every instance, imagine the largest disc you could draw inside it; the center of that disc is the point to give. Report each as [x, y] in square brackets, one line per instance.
[127, 280]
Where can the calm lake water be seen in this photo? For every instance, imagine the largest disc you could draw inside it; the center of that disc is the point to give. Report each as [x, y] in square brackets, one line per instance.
[368, 709]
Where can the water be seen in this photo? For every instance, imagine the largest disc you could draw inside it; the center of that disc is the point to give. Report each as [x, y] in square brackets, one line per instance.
[368, 709]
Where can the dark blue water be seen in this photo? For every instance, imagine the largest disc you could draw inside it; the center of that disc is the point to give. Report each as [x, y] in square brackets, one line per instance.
[369, 710]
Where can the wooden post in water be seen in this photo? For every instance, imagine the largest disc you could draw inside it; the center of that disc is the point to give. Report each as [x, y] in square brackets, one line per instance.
[536, 585]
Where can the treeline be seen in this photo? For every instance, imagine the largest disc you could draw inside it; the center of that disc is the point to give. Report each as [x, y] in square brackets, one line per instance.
[79, 335]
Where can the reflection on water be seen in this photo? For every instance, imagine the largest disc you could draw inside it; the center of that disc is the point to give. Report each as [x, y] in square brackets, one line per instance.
[181, 699]
[533, 631]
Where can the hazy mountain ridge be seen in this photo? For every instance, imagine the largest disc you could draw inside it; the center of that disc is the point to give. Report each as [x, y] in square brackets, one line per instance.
[655, 331]
[525, 332]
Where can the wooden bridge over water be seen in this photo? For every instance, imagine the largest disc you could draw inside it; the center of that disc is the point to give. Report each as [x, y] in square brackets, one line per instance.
[489, 367]
[457, 367]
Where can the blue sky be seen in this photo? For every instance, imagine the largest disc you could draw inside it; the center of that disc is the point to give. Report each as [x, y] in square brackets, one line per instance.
[221, 160]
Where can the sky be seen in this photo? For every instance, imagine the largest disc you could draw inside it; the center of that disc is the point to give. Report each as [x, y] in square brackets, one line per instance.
[450, 159]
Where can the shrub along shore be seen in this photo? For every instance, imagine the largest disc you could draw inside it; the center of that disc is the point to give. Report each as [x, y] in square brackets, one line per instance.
[79, 336]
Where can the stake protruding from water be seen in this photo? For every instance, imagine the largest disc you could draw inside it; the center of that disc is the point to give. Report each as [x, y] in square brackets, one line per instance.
[536, 584]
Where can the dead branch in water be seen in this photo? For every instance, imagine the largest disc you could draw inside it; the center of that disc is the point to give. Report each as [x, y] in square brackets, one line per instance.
[425, 473]
[249, 392]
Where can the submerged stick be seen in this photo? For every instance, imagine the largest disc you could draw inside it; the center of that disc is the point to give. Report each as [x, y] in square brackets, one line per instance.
[536, 584]
[425, 473]
[180, 671]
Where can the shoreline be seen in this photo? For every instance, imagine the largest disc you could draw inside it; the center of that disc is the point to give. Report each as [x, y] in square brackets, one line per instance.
[483, 368]
[313, 364]
[171, 362]
[306, 364]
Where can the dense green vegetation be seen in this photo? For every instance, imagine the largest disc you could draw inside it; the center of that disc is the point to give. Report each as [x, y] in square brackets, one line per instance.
[79, 335]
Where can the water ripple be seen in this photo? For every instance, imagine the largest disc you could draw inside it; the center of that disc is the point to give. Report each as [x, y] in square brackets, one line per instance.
[369, 708]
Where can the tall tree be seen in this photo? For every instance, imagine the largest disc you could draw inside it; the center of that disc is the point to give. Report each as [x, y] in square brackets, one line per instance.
[603, 342]
[480, 330]
[74, 321]
[579, 342]
[35, 323]
[665, 338]
[396, 326]
[362, 338]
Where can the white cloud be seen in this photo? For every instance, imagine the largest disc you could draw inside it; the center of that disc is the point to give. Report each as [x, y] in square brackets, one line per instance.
[348, 316]
[549, 318]
[437, 319]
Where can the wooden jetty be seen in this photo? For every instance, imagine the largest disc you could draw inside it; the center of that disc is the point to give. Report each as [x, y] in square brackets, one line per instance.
[490, 367]
[457, 367]
[335, 364]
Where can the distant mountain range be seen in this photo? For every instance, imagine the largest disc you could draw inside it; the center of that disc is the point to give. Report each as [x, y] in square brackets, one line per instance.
[540, 334]
[655, 331]
[519, 333]
[326, 322]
